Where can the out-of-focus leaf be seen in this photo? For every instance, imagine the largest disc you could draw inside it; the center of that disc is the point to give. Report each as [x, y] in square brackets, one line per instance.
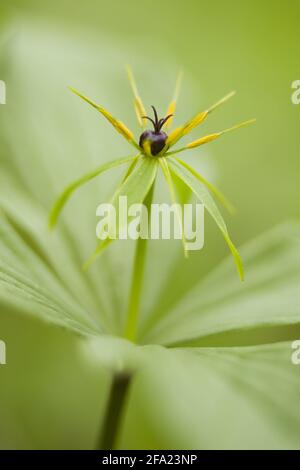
[224, 398]
[28, 283]
[48, 380]
[270, 297]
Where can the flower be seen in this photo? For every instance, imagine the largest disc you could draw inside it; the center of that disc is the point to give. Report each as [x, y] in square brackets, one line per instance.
[212, 365]
[155, 148]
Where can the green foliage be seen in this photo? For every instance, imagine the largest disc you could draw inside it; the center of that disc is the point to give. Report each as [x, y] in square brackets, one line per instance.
[203, 195]
[63, 199]
[194, 387]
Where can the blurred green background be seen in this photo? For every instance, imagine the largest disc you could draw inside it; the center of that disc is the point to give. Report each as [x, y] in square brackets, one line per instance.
[248, 47]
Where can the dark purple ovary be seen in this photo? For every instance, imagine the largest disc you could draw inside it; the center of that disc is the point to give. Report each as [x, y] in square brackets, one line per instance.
[157, 138]
[157, 141]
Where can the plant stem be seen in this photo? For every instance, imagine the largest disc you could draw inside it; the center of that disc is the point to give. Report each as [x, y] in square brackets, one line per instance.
[137, 279]
[115, 406]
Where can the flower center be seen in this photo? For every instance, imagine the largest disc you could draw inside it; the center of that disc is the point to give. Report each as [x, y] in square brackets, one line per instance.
[153, 141]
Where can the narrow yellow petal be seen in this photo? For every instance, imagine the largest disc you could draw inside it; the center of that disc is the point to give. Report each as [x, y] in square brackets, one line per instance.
[203, 140]
[118, 125]
[196, 121]
[138, 104]
[175, 136]
[187, 128]
[211, 137]
[237, 126]
[221, 101]
[172, 106]
[171, 110]
[200, 117]
[140, 111]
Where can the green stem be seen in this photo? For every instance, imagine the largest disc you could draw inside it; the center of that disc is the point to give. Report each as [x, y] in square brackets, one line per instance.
[137, 279]
[114, 409]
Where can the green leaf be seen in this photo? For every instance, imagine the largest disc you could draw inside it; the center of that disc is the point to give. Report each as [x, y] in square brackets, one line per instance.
[135, 188]
[26, 282]
[225, 398]
[105, 243]
[168, 178]
[180, 397]
[138, 184]
[203, 195]
[67, 193]
[222, 199]
[219, 305]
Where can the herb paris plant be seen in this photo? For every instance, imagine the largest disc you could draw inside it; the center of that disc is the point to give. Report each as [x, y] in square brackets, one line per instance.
[212, 369]
[155, 150]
